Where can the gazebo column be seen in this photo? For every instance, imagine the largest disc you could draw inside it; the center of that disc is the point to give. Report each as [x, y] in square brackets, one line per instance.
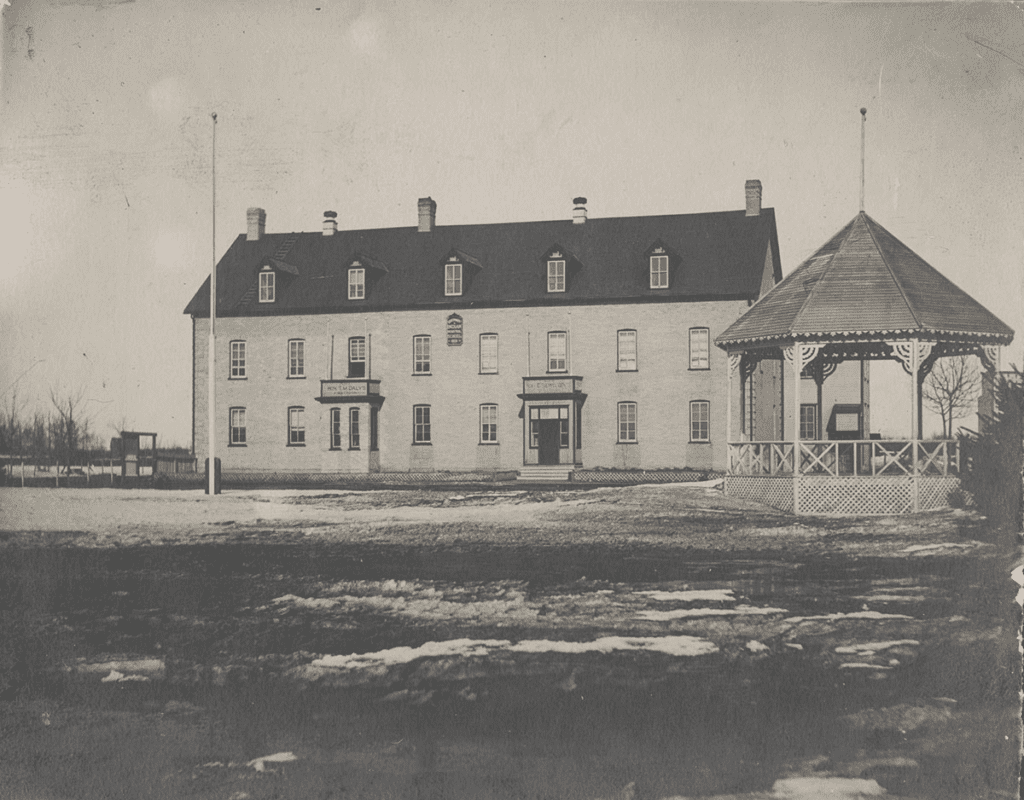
[800, 354]
[912, 354]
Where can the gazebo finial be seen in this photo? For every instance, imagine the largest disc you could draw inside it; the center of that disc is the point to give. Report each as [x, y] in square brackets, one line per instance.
[863, 124]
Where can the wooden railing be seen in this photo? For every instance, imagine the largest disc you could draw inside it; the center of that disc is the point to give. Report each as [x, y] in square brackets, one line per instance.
[869, 458]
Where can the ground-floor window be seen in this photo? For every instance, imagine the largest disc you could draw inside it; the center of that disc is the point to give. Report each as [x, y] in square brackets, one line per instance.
[700, 421]
[627, 422]
[335, 428]
[421, 424]
[296, 426]
[488, 424]
[808, 421]
[236, 425]
[353, 429]
[374, 411]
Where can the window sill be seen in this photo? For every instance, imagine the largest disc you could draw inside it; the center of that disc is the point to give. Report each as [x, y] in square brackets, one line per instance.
[489, 444]
[354, 449]
[700, 441]
[699, 369]
[298, 444]
[236, 445]
[558, 372]
[633, 442]
[491, 372]
[628, 370]
[296, 377]
[422, 444]
[422, 374]
[234, 378]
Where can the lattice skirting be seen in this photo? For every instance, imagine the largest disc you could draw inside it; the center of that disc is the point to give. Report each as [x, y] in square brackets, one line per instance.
[772, 491]
[934, 490]
[632, 476]
[856, 496]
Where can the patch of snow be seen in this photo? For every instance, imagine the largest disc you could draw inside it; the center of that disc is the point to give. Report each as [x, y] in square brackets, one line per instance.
[920, 548]
[470, 648]
[681, 613]
[312, 603]
[851, 615]
[755, 646]
[794, 645]
[873, 647]
[1017, 576]
[260, 764]
[692, 595]
[861, 665]
[814, 788]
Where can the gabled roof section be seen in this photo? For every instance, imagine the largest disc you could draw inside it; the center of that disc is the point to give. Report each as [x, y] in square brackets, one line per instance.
[864, 282]
[724, 254]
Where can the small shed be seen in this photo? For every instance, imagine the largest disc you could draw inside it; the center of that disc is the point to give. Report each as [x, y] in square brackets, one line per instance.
[137, 459]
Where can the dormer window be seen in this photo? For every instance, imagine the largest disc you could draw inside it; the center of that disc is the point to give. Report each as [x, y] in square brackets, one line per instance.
[356, 283]
[659, 269]
[267, 285]
[453, 279]
[556, 273]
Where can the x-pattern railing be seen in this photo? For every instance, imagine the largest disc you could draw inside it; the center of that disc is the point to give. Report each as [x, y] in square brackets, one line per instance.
[866, 458]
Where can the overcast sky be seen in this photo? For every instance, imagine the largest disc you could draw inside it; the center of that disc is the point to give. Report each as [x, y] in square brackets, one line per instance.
[500, 112]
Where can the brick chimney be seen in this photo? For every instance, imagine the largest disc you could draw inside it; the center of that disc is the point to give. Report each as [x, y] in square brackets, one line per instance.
[753, 189]
[579, 211]
[256, 223]
[330, 223]
[428, 211]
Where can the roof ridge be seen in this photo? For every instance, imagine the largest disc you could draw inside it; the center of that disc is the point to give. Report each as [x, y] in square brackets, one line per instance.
[817, 282]
[885, 261]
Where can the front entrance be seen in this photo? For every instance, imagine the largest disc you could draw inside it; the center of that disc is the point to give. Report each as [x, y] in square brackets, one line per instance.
[547, 441]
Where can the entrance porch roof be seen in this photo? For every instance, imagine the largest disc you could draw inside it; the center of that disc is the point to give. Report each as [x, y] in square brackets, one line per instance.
[864, 284]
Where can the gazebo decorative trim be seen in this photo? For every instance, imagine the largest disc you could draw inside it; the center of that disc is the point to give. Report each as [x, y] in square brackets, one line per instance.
[862, 273]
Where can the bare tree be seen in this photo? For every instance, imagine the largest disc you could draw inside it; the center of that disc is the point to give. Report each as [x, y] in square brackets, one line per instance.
[69, 424]
[951, 390]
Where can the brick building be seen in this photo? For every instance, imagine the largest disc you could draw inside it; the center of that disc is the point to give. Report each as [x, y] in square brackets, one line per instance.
[560, 344]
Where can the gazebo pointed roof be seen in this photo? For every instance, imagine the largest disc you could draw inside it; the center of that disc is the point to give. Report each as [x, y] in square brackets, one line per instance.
[864, 282]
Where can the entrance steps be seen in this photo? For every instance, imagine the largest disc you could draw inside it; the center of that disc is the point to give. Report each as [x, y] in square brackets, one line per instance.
[547, 473]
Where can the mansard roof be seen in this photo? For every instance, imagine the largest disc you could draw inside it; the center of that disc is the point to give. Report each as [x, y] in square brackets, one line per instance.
[864, 282]
[721, 255]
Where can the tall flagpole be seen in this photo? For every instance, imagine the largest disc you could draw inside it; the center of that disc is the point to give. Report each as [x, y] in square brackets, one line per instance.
[211, 412]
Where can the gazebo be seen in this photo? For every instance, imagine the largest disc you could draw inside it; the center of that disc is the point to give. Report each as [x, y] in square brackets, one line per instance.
[864, 295]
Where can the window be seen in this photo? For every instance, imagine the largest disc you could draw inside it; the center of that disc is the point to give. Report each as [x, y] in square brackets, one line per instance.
[335, 428]
[489, 424]
[700, 421]
[267, 286]
[356, 283]
[237, 360]
[453, 279]
[353, 429]
[373, 427]
[296, 426]
[808, 421]
[421, 424]
[296, 358]
[357, 357]
[627, 422]
[700, 347]
[421, 355]
[556, 276]
[556, 351]
[488, 353]
[627, 351]
[236, 425]
[659, 272]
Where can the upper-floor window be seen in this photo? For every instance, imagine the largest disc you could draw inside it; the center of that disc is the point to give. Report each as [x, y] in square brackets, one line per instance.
[357, 357]
[421, 355]
[453, 279]
[556, 351]
[296, 358]
[808, 421]
[488, 352]
[700, 348]
[267, 286]
[237, 360]
[627, 351]
[335, 428]
[659, 272]
[627, 422]
[421, 424]
[556, 276]
[353, 428]
[356, 283]
[236, 427]
[489, 424]
[700, 421]
[296, 425]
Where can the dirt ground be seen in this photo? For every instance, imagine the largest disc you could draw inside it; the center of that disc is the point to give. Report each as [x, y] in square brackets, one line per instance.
[676, 515]
[638, 643]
